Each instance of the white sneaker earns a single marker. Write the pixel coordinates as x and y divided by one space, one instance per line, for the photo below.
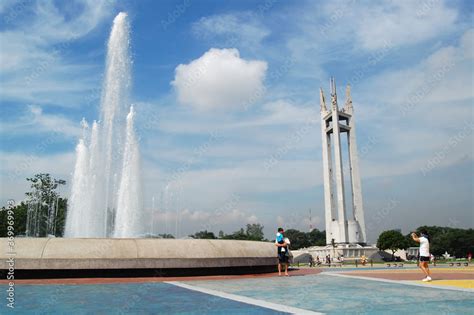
427 279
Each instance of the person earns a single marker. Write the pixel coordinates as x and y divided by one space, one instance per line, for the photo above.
424 241
469 257
363 260
318 262
282 251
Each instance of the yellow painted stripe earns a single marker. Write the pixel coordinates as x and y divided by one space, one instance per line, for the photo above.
466 284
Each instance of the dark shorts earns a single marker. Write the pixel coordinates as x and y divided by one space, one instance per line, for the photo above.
424 258
282 258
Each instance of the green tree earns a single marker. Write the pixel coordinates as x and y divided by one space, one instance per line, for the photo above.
301 239
457 242
237 235
203 235
19 219
165 235
297 238
255 232
44 187
44 194
392 240
410 241
317 237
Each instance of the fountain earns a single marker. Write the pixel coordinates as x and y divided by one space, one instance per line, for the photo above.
106 185
130 219
106 223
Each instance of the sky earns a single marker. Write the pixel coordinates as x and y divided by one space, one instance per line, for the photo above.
227 102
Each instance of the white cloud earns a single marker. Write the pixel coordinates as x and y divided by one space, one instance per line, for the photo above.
220 79
443 76
35 121
233 29
398 22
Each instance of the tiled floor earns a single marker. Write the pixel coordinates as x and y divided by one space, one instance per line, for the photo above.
128 298
332 291
337 295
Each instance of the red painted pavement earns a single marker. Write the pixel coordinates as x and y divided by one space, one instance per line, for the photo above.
295 272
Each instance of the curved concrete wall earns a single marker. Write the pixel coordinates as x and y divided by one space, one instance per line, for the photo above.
107 253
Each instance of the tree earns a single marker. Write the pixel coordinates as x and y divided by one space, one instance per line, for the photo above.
297 238
203 235
317 237
301 239
44 198
457 242
392 240
237 235
50 208
165 235
19 215
255 232
44 187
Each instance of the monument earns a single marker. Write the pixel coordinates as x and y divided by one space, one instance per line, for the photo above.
345 234
334 124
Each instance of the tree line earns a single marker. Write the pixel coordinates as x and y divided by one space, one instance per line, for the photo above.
254 232
456 241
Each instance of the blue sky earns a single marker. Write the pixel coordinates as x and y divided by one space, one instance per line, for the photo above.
239 142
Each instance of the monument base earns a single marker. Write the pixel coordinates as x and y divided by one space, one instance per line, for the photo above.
102 257
349 251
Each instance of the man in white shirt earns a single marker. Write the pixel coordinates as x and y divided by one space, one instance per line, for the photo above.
424 252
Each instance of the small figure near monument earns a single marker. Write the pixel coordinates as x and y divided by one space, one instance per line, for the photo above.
282 251
423 239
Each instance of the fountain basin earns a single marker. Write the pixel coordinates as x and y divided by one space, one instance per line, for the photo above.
179 257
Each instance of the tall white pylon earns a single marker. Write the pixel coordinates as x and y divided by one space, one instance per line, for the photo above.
334 122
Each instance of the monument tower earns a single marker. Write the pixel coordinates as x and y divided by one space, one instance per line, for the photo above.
340 229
